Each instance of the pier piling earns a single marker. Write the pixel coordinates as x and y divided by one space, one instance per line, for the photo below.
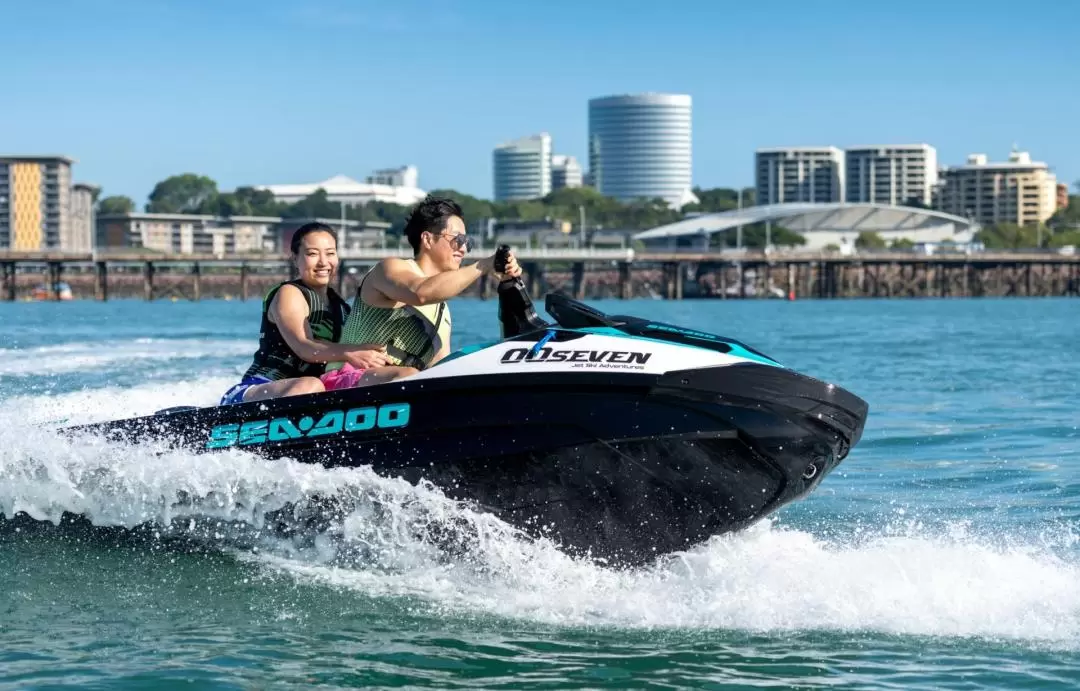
101 281
148 280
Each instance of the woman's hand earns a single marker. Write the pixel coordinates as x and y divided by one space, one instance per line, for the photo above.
367 356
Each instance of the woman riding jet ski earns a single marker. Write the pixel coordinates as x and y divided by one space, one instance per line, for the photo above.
301 322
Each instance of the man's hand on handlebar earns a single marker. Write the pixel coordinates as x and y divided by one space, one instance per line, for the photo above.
511 269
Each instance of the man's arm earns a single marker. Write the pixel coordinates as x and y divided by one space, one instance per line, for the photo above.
396 280
289 311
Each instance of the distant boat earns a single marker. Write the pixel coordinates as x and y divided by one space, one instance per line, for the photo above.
62 292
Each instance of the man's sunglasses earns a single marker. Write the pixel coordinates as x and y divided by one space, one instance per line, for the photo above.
459 241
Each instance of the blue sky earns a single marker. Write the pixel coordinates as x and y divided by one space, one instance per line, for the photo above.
261 92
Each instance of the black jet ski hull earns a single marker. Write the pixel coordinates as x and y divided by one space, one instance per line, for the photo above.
622 467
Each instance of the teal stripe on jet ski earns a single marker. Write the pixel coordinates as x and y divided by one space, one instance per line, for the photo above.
467 350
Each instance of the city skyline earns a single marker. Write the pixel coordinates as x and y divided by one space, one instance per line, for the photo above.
217 90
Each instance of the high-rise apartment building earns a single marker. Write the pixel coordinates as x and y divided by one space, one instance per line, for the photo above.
892 174
82 228
35 202
522 168
799 174
1019 190
640 147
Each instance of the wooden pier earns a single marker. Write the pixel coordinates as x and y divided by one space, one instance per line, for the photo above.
582 273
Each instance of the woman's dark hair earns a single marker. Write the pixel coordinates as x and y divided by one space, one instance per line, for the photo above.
307 229
430 215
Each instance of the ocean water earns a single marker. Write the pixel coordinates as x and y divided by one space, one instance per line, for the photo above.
942 554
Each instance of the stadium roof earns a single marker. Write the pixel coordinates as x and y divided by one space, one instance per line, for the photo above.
807 217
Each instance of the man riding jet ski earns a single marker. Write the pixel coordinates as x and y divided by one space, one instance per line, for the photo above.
616 437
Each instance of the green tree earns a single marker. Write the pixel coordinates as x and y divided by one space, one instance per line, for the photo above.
568 203
1011 236
902 244
869 240
754 237
1068 237
524 210
720 199
116 204
257 202
473 208
1068 217
182 194
226 205
394 214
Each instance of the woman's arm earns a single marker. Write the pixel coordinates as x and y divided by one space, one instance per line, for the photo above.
289 311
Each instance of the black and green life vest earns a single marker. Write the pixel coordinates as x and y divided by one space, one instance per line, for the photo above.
275 359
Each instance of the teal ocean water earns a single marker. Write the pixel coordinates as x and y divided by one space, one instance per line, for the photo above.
942 554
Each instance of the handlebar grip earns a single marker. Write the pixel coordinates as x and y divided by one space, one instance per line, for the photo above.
502 256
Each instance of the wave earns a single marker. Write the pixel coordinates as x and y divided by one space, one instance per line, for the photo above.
78 357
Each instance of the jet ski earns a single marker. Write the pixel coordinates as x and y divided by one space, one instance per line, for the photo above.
621 439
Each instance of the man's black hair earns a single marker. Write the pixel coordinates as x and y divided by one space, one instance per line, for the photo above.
430 215
308 228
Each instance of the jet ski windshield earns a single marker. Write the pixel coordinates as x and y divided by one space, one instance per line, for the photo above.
571 314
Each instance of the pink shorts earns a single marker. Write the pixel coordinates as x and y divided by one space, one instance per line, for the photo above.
344 378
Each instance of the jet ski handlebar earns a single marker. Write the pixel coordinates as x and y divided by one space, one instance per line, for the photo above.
502 257
516 312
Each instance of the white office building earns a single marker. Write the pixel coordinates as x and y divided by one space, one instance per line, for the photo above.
893 174
799 174
81 230
522 168
404 176
640 147
565 172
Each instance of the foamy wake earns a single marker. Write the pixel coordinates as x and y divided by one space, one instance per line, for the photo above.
98 405
388 538
82 356
767 579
